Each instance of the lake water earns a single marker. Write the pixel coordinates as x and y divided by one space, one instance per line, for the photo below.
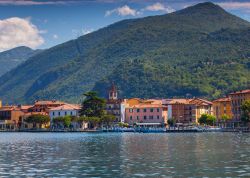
124 155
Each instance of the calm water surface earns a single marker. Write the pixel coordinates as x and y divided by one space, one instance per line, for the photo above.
124 155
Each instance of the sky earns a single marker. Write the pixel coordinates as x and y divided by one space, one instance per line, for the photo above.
41 24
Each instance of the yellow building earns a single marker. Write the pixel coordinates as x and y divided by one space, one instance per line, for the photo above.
222 106
0 103
237 99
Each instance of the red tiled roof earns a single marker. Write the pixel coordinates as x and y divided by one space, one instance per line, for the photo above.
222 100
49 102
240 92
66 107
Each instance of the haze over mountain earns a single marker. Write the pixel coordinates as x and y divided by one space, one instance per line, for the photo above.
199 51
12 58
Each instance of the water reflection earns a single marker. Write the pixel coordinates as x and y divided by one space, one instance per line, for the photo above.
124 155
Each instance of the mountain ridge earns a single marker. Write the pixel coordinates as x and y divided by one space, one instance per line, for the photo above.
177 43
11 58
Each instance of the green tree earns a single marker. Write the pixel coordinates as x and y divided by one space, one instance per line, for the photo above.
107 119
65 121
203 119
93 106
92 121
171 121
211 119
38 119
225 118
207 119
245 108
123 124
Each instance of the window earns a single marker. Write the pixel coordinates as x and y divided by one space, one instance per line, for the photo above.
130 110
65 113
137 117
158 109
151 117
151 110
145 117
158 117
131 117
71 113
59 113
138 110
53 113
144 110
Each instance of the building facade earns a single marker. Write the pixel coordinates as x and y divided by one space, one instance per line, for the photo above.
222 107
145 113
237 99
64 110
187 111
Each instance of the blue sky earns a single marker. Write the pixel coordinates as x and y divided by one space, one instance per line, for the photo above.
42 24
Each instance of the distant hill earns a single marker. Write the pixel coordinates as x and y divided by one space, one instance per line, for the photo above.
199 51
12 58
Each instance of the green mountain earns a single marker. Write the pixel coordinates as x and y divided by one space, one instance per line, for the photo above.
199 51
12 58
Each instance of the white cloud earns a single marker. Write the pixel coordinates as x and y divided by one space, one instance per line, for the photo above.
122 11
235 5
159 7
16 31
55 36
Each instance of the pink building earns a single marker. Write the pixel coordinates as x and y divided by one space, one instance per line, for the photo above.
147 112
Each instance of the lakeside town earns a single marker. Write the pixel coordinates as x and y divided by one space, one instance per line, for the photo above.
116 114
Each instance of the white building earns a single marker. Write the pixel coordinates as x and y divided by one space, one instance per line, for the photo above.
64 110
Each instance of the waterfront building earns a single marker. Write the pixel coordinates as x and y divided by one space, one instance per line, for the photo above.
64 110
187 111
114 105
222 107
237 99
44 106
0 103
10 117
145 113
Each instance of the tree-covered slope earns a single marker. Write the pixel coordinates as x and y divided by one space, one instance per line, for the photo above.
199 51
12 58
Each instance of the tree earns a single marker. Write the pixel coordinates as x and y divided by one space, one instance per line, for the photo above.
225 118
211 119
207 119
245 107
171 121
92 121
93 106
65 121
38 119
107 119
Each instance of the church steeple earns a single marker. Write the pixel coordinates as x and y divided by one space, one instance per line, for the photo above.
113 94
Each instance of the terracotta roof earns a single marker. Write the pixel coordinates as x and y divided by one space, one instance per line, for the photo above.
66 107
240 92
177 101
49 102
9 108
199 101
222 100
24 107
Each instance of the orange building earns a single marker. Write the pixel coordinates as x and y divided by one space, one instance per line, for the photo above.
187 110
10 116
222 106
237 99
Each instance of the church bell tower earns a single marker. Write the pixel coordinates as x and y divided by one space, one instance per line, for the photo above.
113 92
